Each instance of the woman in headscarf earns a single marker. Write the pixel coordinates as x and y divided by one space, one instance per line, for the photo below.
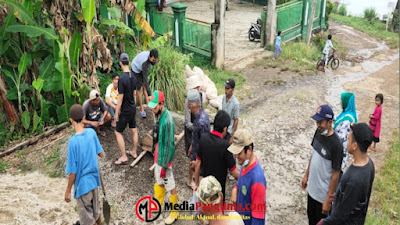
343 122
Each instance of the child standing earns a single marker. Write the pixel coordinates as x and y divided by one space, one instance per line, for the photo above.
278 46
327 48
82 169
375 120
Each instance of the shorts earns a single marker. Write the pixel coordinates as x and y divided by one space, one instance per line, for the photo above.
89 207
124 119
192 156
168 181
94 128
376 139
111 111
140 79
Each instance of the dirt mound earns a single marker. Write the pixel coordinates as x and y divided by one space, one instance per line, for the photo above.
34 199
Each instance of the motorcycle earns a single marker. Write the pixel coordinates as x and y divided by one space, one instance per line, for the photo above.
255 30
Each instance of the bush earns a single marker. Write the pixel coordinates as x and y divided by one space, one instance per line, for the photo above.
335 8
370 14
3 166
168 76
343 10
329 9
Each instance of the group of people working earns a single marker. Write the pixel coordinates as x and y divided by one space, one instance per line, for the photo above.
214 153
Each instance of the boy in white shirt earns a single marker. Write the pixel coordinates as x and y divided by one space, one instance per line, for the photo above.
112 97
327 48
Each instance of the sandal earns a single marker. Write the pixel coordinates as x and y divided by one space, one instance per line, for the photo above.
119 162
102 133
143 114
130 153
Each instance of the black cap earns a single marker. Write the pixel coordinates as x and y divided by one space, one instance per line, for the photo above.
230 83
363 135
124 57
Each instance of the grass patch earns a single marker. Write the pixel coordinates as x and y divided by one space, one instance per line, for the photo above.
3 166
374 28
218 76
385 192
297 57
53 165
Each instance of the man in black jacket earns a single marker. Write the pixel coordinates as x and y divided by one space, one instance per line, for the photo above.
352 197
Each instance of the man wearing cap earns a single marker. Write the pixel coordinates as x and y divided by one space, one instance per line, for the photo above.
200 125
213 155
352 197
164 151
193 82
82 169
324 168
230 104
210 193
249 190
140 66
95 112
125 112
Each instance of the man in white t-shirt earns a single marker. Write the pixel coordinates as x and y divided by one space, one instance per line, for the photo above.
112 97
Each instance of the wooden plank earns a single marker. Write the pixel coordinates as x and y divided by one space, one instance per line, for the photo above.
35 139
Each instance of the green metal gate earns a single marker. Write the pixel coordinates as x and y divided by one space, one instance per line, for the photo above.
163 22
292 18
197 37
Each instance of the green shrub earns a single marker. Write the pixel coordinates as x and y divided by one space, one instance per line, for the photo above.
329 9
334 8
343 10
300 51
319 41
370 14
3 166
168 76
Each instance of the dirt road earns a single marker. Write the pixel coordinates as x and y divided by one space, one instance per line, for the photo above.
237 24
276 106
279 115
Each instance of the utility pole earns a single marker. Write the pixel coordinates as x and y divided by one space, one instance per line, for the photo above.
270 28
218 34
310 21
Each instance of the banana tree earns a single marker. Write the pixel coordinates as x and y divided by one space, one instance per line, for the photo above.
20 87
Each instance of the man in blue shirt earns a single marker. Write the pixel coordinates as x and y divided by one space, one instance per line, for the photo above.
200 125
249 191
82 168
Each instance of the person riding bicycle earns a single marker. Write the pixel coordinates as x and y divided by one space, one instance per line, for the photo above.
327 48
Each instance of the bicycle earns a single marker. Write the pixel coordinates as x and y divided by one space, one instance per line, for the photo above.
332 59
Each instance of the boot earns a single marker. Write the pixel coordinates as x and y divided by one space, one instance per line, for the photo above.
159 194
174 214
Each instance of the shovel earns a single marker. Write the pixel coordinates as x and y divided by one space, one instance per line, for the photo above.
106 206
